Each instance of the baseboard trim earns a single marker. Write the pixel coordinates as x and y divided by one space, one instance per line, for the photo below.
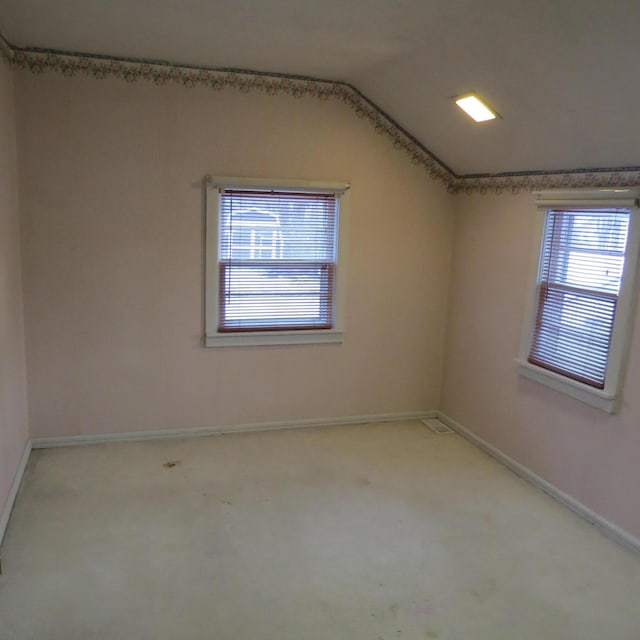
13 492
199 432
619 535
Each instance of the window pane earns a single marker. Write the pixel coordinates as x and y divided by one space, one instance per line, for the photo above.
275 226
573 333
276 296
277 253
585 249
582 260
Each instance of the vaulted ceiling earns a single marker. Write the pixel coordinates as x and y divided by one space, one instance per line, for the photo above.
561 73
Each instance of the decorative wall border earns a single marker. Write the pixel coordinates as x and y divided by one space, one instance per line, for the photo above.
163 73
536 181
159 73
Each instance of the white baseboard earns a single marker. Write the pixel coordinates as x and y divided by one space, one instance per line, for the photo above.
13 492
609 529
198 432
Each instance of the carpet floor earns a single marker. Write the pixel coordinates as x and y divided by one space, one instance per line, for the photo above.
375 532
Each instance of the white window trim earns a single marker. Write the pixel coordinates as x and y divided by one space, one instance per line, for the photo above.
213 338
608 398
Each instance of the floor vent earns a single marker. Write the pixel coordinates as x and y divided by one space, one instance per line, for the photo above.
437 426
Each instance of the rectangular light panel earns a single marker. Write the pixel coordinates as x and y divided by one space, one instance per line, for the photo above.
475 108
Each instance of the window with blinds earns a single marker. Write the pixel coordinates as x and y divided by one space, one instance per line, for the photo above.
579 278
275 261
277 255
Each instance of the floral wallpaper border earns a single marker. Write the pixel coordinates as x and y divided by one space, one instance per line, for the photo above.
160 73
70 64
537 181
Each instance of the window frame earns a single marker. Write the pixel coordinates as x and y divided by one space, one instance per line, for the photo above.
608 398
215 338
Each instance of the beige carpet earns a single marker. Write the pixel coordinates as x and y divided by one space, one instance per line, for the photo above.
374 532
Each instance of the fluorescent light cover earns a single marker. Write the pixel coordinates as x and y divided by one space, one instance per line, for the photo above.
475 108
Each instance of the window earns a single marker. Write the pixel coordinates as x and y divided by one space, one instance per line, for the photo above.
580 318
275 262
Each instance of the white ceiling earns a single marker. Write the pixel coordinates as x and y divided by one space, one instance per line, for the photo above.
562 73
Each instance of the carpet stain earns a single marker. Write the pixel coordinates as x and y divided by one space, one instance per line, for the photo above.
169 464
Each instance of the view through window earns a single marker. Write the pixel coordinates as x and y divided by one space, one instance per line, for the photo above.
581 266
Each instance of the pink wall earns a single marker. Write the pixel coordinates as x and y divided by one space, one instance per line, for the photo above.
589 454
112 236
13 392
112 207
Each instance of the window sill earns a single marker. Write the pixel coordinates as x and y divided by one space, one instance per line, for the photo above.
266 338
594 397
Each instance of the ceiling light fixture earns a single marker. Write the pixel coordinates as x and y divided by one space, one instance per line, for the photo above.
475 108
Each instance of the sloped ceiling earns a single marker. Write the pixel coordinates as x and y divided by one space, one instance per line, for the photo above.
562 73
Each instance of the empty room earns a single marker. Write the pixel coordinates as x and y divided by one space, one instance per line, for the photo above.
319 320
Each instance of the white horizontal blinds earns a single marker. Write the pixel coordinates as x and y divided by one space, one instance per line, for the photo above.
277 258
581 265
